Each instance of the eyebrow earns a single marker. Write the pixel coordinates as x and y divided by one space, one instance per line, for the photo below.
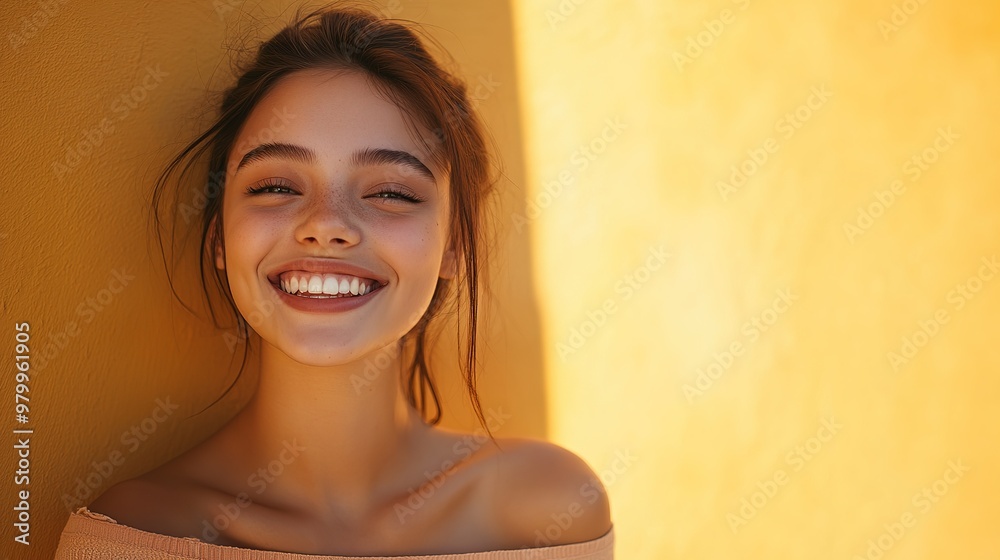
385 156
367 156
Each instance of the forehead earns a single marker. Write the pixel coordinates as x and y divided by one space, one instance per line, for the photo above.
335 113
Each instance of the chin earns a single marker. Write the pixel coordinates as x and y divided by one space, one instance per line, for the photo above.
321 353
324 357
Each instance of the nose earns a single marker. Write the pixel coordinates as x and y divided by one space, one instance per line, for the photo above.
328 224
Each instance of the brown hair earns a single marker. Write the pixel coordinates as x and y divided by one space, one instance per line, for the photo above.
396 61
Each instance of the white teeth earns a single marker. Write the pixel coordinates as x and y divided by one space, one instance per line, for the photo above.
329 284
315 285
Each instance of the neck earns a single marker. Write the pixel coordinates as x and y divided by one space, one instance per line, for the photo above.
339 431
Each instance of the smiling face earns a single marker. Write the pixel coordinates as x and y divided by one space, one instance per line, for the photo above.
340 203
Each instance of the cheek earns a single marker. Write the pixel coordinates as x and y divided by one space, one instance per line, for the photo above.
247 242
418 248
251 228
247 239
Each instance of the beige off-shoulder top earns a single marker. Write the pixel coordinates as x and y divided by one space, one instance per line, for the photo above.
92 536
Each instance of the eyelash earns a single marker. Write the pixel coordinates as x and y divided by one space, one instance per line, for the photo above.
264 186
396 192
399 194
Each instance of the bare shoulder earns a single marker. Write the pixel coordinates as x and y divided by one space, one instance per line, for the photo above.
547 495
179 498
175 498
149 503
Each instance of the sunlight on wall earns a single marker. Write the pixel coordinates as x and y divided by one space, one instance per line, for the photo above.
765 240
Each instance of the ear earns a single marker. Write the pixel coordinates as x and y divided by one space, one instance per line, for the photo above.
449 262
220 250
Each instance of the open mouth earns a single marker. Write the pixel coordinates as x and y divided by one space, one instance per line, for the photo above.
325 286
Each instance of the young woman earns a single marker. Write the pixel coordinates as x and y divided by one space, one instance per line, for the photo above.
350 172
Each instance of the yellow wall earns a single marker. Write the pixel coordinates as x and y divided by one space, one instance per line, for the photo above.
623 271
872 436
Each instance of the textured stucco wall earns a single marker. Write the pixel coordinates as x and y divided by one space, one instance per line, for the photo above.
700 87
97 96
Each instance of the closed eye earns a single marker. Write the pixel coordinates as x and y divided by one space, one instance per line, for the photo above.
269 187
393 192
